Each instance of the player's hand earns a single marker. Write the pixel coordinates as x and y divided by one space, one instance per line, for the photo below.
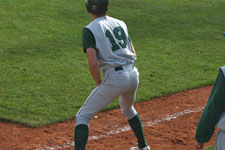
199 146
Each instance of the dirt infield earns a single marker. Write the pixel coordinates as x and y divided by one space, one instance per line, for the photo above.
169 123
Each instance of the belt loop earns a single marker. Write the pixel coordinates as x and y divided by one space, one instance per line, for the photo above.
118 68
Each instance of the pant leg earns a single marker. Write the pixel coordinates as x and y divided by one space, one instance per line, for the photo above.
126 104
111 87
127 99
220 140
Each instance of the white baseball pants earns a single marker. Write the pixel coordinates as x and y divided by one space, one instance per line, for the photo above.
122 83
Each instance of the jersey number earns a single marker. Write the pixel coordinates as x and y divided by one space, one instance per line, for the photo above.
120 36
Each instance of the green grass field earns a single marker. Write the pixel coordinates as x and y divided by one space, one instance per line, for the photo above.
44 76
210 148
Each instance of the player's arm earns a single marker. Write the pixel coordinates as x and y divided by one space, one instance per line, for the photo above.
211 114
131 45
93 65
90 48
132 48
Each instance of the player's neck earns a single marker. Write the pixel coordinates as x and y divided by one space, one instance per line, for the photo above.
93 16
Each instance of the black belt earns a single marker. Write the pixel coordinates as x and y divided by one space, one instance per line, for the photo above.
118 68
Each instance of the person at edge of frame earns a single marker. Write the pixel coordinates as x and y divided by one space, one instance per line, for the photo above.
213 116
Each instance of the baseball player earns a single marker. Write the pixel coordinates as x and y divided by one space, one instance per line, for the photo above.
213 115
108 46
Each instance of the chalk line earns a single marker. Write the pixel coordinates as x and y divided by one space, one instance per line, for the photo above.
123 129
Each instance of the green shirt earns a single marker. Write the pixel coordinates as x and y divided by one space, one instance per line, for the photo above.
88 39
211 115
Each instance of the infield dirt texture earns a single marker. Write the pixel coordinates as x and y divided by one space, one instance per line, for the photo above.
169 124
